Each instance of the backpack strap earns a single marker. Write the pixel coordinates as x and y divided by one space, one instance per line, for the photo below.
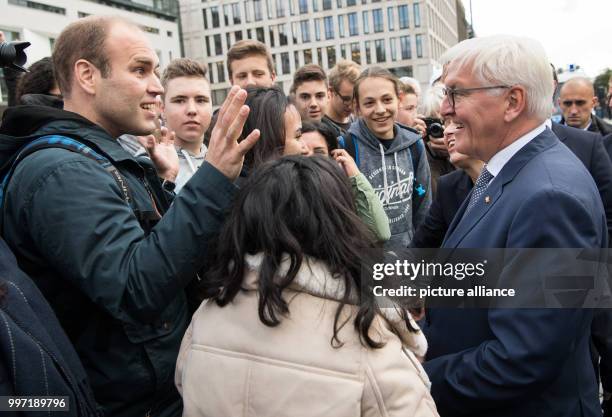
416 153
64 142
350 145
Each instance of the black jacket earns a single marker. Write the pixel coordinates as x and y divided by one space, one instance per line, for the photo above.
37 359
599 126
607 142
452 190
117 290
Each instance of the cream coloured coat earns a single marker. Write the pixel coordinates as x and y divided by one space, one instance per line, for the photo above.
232 365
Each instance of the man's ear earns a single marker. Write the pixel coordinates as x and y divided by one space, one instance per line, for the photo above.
273 76
86 76
516 103
595 101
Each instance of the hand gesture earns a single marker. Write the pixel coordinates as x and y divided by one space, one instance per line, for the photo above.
161 150
224 151
346 162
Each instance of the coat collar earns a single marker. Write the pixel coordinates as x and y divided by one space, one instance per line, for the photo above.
461 226
314 278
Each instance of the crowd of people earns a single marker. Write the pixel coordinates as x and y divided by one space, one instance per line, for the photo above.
165 259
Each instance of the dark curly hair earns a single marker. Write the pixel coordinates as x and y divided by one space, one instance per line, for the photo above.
293 207
40 79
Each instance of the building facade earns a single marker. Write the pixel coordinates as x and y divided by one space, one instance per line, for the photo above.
405 36
41 21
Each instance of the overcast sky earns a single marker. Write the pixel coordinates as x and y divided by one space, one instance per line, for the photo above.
572 31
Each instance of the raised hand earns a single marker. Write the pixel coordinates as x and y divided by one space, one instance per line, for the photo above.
224 151
347 163
161 150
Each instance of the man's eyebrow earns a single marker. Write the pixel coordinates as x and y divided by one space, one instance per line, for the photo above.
178 96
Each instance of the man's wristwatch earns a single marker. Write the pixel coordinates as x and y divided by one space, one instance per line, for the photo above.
168 186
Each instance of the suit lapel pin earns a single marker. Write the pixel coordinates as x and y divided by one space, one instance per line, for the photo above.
487 200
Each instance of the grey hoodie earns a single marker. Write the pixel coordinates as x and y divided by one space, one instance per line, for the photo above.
403 188
188 165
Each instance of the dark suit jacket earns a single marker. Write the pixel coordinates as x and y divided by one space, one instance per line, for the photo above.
521 362
589 148
607 141
599 126
452 190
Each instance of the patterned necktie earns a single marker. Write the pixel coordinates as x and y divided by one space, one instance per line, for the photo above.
479 188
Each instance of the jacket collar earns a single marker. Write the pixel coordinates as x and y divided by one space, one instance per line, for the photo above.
461 226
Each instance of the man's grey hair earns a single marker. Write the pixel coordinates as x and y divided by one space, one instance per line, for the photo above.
431 102
508 60
414 83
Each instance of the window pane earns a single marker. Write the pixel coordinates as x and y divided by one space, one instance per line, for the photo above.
303 6
391 18
353 25
356 53
307 56
271 33
296 59
295 32
402 12
247 11
220 72
378 20
331 56
366 22
236 13
393 48
207 42
282 34
405 46
214 12
270 9
315 5
218 47
205 16
285 65
317 25
226 12
210 72
320 56
343 51
380 50
259 32
351 2
419 45
417 15
238 35
368 47
304 24
257 9
341 25
329 27
327 4
280 8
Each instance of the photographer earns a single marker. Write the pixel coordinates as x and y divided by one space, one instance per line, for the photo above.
11 77
437 153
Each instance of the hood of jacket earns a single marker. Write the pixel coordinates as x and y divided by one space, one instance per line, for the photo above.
399 175
314 278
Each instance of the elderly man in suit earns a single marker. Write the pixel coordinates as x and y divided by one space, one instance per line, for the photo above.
532 193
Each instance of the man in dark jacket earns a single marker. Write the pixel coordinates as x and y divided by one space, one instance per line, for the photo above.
577 100
92 238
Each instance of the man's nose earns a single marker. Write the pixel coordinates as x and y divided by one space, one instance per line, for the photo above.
445 107
191 107
251 81
313 102
155 87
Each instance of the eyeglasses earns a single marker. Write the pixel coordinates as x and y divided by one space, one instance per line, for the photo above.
452 93
345 99
570 103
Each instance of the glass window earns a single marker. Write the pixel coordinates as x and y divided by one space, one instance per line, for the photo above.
236 13
317 26
329 27
331 56
391 18
296 59
259 33
353 25
280 8
285 64
220 72
207 42
228 41
210 72
343 51
381 56
366 22
247 11
257 9
303 6
368 47
327 4
339 4
205 16
218 46
271 33
419 45
214 12
270 9
295 32
249 34
307 56
417 15
378 20
226 16
351 2
282 34
341 25
238 35
218 96
405 47
304 25
315 5
320 56
402 12
356 53
393 48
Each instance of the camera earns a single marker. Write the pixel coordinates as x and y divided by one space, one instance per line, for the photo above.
435 127
12 55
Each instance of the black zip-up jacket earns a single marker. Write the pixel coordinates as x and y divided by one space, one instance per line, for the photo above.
118 291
